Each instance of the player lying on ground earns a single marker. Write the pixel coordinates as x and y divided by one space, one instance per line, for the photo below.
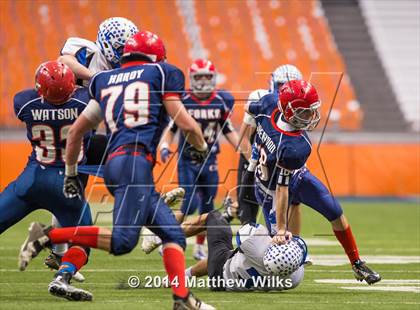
85 58
249 207
48 112
147 90
211 108
255 260
278 172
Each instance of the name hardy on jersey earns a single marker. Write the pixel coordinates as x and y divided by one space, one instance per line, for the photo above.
54 114
125 77
265 138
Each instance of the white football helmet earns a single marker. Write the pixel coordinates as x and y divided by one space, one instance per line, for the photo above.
284 74
112 35
282 260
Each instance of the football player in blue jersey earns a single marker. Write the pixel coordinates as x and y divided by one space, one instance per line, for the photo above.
48 112
85 58
211 108
282 147
282 74
134 101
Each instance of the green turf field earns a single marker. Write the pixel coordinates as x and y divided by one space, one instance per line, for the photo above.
386 232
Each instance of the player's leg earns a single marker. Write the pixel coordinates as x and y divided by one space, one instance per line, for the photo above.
314 194
12 207
187 177
208 182
219 239
163 223
248 208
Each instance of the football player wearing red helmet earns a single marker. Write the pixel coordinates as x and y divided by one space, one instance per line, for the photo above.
211 108
48 112
147 92
278 164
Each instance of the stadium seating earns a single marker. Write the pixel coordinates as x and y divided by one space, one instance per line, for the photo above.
396 33
297 33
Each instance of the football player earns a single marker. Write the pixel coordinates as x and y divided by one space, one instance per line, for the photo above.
211 108
86 58
134 102
255 259
249 206
281 177
48 111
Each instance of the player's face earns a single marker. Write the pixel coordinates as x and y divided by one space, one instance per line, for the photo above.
203 85
306 119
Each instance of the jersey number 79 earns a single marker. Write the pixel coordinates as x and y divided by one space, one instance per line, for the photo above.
135 104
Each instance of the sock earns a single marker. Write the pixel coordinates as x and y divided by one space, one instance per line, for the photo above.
200 239
82 235
188 272
174 262
346 238
74 259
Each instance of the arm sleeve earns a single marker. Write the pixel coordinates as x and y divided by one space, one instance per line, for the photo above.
93 112
174 82
288 159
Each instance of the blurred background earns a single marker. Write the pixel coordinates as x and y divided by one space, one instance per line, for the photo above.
363 57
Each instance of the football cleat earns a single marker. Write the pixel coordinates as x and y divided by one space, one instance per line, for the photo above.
60 287
190 303
174 196
363 272
199 252
53 262
36 241
150 243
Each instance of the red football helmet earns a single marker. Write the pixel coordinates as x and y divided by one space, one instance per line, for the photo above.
147 44
55 81
203 75
299 103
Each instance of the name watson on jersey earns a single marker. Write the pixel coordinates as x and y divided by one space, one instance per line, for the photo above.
54 114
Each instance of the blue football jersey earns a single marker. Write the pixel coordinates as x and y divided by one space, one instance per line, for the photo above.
131 104
211 114
47 124
281 150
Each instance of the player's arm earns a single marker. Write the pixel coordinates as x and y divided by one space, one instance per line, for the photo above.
245 133
80 71
88 120
185 122
282 200
167 138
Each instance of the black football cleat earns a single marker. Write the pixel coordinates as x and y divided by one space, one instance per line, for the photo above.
190 303
53 262
36 241
60 287
363 272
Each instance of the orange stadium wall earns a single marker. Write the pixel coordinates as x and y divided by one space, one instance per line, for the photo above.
351 169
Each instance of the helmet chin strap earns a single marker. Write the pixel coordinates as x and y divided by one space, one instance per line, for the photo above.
203 95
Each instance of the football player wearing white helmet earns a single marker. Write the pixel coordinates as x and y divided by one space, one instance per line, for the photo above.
249 207
257 263
86 58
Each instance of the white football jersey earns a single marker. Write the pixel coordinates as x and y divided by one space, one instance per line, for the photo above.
253 241
255 96
87 54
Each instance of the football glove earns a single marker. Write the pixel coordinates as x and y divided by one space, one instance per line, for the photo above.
72 187
247 189
164 154
196 155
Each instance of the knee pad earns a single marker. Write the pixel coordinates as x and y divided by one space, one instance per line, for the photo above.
124 240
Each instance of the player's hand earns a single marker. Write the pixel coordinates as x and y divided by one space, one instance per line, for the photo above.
164 154
72 187
282 237
197 155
